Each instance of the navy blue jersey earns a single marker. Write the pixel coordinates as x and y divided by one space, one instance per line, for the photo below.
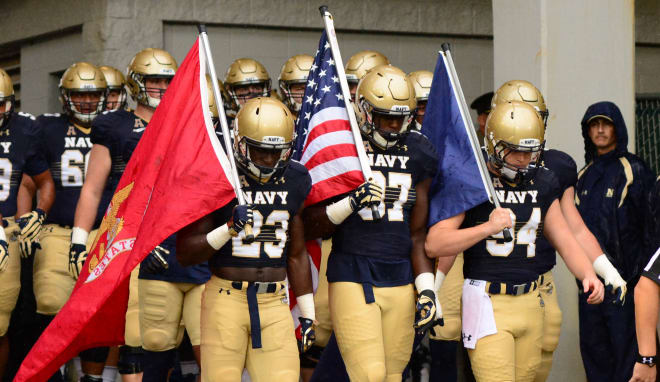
19 153
66 148
111 129
274 205
176 273
494 260
565 170
378 252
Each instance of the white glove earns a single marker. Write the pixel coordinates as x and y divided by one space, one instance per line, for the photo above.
611 276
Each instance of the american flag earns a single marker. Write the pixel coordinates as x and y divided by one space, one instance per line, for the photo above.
325 145
324 141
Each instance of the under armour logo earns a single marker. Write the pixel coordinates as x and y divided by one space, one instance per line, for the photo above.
466 337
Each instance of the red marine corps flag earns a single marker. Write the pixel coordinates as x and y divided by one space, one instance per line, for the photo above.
177 174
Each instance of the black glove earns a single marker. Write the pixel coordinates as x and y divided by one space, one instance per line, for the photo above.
366 195
240 217
425 311
307 334
30 225
77 257
4 255
156 261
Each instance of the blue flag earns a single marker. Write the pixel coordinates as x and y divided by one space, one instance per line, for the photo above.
457 186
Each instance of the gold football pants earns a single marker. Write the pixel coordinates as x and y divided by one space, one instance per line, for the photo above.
162 307
514 352
52 282
449 297
551 326
226 337
375 340
10 278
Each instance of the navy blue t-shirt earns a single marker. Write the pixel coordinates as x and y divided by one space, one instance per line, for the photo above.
19 153
66 148
494 260
378 252
176 273
274 205
565 170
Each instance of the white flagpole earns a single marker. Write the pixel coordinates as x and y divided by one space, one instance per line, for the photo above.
249 237
339 64
469 129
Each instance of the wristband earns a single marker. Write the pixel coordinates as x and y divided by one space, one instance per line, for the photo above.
604 268
79 236
439 278
3 235
306 306
218 237
646 360
424 281
339 211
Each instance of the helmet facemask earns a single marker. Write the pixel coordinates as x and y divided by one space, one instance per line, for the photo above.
120 103
290 97
9 107
511 172
239 100
83 112
144 94
377 135
246 152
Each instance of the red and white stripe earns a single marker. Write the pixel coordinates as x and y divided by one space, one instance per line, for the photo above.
330 156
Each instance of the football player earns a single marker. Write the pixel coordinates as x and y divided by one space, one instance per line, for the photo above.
373 263
18 237
64 141
360 64
168 294
292 81
502 309
149 74
421 81
246 320
116 97
246 79
564 168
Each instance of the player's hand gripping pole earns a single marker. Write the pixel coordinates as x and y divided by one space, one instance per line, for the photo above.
339 64
471 133
249 237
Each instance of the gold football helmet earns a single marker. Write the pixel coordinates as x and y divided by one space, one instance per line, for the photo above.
362 62
295 71
263 138
116 82
524 91
421 81
514 127
384 93
82 92
6 96
246 78
213 106
149 63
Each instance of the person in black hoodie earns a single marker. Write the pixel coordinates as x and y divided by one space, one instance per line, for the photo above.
611 195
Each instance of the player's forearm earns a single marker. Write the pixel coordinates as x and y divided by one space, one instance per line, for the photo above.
420 262
442 242
193 249
317 223
589 243
446 263
87 208
46 194
26 193
647 296
575 259
299 274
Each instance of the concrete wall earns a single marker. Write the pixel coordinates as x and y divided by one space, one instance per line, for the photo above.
272 48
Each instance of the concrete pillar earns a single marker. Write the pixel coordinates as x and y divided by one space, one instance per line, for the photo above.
576 53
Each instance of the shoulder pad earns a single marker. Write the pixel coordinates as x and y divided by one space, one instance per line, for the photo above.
51 115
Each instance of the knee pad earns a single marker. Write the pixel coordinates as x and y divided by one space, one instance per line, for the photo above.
95 354
376 372
130 360
50 302
156 339
311 357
